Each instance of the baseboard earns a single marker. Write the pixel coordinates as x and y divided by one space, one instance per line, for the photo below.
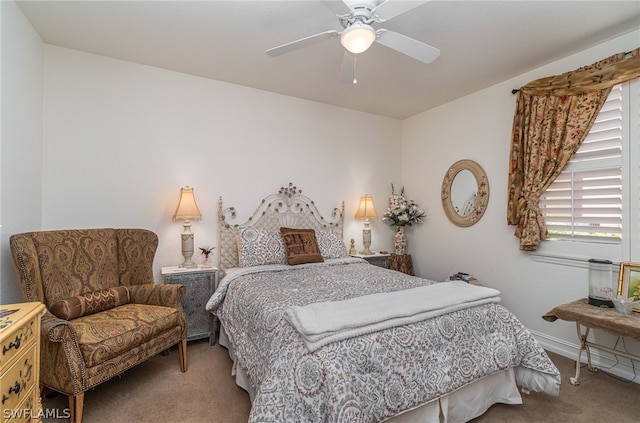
623 368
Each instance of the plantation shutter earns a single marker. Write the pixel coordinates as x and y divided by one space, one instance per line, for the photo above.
585 202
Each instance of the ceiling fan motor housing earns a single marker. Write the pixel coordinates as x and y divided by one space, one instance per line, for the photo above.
359 12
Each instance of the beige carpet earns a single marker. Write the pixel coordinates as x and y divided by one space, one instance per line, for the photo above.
156 391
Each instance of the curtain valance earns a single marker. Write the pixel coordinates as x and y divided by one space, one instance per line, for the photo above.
598 76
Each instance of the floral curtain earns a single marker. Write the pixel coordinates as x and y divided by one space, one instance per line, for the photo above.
553 116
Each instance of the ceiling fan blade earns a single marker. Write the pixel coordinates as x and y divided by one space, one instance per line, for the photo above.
339 7
348 69
406 45
303 42
390 9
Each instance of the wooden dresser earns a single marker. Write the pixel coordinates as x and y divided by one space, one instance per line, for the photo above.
20 361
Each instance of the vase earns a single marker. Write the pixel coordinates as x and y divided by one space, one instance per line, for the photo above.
207 262
400 241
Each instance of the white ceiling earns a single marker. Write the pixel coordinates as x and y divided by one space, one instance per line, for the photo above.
481 43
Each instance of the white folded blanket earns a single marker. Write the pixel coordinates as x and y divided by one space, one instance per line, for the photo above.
326 322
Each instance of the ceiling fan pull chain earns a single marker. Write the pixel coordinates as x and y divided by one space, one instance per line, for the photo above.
355 68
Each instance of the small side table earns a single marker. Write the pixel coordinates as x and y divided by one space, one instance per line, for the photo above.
377 259
401 263
200 284
592 317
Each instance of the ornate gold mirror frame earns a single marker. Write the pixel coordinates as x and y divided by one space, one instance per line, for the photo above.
478 200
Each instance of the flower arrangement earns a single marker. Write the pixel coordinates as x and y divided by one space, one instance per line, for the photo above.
402 212
206 251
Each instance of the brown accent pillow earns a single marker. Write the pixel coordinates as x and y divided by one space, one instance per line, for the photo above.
90 303
301 246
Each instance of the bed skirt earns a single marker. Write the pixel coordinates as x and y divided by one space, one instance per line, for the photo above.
459 406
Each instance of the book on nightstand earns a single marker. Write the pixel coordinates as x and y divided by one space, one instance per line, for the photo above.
462 276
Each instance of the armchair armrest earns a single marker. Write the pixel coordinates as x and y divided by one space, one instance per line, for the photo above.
61 352
157 294
55 329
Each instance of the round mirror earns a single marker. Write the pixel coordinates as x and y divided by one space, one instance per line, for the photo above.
465 193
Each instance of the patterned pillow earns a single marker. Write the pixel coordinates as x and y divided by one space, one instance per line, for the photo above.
301 245
90 303
257 247
331 245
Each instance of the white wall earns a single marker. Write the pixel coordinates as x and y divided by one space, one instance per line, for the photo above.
120 139
478 127
21 139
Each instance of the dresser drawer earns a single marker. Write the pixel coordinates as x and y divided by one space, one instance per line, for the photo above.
20 340
28 411
19 381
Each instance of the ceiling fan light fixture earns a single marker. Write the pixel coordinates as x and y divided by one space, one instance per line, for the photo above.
358 37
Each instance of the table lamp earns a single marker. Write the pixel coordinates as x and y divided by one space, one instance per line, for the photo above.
365 212
187 210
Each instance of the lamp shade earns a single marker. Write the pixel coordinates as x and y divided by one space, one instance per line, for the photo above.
366 209
187 207
358 37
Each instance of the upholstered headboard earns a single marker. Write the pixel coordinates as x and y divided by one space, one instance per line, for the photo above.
287 208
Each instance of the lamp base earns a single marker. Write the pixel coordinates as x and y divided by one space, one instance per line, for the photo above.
366 240
187 248
188 264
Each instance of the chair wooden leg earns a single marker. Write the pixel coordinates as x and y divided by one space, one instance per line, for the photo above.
76 404
182 352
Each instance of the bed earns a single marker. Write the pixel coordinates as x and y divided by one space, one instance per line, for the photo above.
337 339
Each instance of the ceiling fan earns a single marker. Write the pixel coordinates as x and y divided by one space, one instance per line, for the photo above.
357 18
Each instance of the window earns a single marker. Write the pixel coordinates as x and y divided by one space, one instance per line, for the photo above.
593 199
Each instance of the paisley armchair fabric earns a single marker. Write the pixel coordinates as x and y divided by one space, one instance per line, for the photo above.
81 353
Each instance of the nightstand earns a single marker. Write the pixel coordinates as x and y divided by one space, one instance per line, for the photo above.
377 259
401 263
200 284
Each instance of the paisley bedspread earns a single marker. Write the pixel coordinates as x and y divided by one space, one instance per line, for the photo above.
374 376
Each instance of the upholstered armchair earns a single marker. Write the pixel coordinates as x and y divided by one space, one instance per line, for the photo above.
104 312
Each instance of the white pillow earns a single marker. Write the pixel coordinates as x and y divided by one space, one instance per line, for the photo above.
259 247
331 245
